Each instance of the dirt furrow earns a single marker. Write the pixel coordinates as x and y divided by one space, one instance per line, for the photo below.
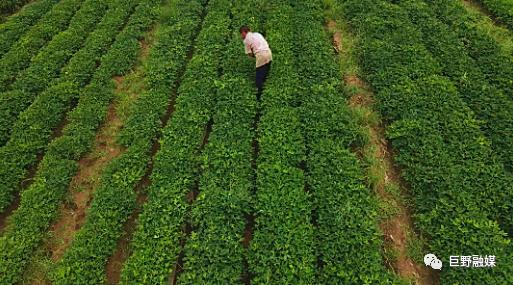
480 8
383 176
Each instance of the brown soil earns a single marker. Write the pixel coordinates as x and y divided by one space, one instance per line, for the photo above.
397 227
248 231
193 194
475 5
146 43
337 36
84 183
122 253
115 263
361 98
178 268
145 48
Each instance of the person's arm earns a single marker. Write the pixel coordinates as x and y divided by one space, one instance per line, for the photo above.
249 51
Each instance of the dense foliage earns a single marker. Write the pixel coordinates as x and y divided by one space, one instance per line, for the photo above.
215 254
35 126
281 251
9 6
482 47
227 189
502 10
348 244
17 25
47 64
461 193
20 54
489 100
40 202
156 243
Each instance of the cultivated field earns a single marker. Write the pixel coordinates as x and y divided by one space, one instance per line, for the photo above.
133 149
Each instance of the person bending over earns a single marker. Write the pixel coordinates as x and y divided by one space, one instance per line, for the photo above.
256 46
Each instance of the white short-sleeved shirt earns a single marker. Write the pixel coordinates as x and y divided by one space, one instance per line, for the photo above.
257 45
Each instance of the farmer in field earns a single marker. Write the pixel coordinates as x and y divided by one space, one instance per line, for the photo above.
256 46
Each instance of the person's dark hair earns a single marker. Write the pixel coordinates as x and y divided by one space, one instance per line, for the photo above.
244 29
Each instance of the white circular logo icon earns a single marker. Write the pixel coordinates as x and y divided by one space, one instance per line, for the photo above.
432 261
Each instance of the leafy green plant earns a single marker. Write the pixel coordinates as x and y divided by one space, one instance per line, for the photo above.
17 25
459 189
46 66
348 241
502 9
482 47
282 248
9 6
156 243
40 202
487 101
47 110
52 23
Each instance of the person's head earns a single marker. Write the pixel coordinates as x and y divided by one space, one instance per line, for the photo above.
244 30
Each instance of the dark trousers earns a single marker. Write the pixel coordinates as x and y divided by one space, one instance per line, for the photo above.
261 76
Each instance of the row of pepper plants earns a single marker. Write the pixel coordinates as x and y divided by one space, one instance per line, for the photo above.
10 6
46 66
20 54
17 25
459 197
502 10
489 103
348 241
495 64
282 248
115 199
215 253
39 204
161 227
35 126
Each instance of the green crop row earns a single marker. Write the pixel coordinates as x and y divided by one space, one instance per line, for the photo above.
115 198
40 202
78 70
282 248
496 66
502 10
487 102
348 241
46 66
215 253
460 195
20 54
35 126
98 235
17 25
9 6
161 225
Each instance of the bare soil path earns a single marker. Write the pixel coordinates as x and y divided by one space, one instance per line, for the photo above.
383 176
